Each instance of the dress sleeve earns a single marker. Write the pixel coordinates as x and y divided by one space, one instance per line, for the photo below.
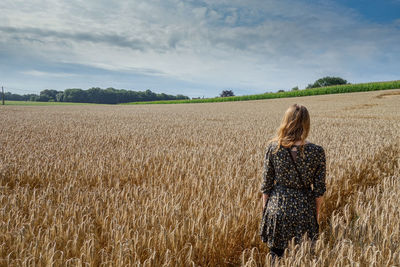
319 177
268 172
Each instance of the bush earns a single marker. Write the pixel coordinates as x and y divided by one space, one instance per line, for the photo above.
226 93
327 81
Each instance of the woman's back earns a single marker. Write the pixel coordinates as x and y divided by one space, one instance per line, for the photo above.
291 208
311 166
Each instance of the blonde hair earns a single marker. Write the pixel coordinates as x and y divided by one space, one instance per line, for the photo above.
295 126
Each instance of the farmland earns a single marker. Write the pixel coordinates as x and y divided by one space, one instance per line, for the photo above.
180 184
334 89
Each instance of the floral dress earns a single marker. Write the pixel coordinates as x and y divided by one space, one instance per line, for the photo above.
291 208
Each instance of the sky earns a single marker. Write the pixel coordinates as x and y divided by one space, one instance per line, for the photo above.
196 47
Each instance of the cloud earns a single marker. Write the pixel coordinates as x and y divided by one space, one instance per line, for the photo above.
254 45
48 74
110 39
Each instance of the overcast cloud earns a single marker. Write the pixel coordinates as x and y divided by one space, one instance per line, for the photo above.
196 48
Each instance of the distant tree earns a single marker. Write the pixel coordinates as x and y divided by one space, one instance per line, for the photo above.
75 95
60 97
296 88
48 95
12 96
43 98
96 95
111 95
281 91
226 93
34 98
179 96
327 81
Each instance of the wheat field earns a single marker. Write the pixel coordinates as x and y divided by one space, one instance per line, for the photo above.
179 185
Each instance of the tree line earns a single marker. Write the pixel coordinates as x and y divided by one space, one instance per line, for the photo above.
93 95
115 96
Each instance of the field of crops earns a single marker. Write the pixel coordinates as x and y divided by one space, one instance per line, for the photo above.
179 185
335 89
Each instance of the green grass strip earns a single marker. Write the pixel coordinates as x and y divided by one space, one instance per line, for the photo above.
336 89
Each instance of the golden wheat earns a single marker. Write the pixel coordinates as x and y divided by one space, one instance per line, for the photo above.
178 185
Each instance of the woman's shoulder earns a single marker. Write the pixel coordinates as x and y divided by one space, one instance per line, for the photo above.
314 147
272 145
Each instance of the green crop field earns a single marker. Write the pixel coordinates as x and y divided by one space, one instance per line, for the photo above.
337 89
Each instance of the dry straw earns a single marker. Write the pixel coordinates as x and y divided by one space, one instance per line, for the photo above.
178 185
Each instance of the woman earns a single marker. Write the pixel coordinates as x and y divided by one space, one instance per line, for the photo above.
293 183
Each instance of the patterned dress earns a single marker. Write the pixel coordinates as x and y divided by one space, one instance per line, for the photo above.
291 208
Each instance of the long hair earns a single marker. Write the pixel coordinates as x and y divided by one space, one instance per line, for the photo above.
295 126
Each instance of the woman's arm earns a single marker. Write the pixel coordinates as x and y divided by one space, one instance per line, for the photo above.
267 176
319 181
